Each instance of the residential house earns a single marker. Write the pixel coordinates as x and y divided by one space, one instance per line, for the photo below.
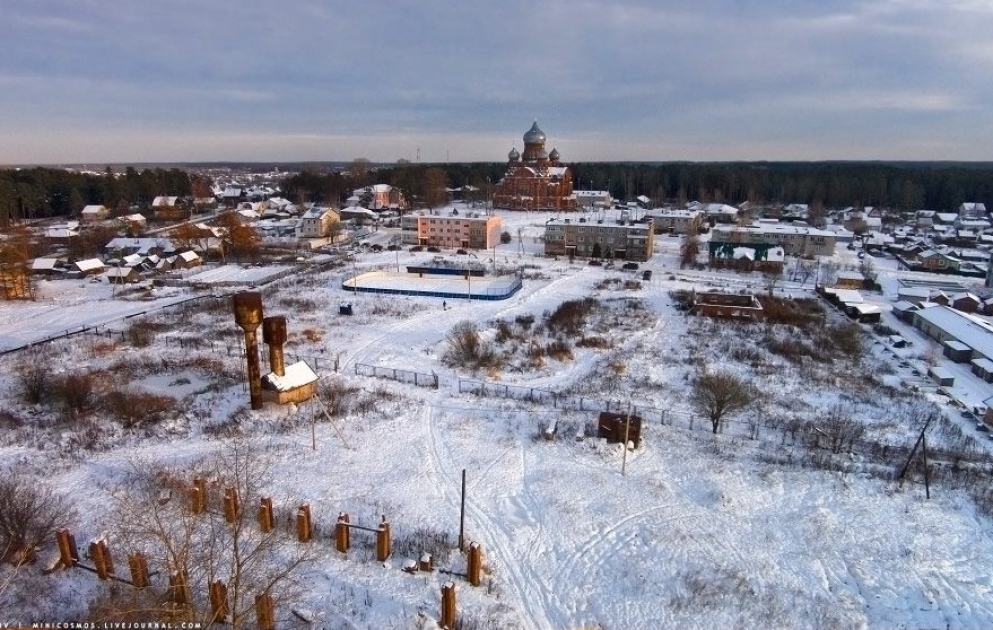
378 197
317 223
134 223
123 275
674 221
46 266
592 199
933 260
187 260
966 302
972 210
88 267
94 214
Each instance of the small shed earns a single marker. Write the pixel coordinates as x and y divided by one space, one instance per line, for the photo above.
613 426
863 313
942 376
297 384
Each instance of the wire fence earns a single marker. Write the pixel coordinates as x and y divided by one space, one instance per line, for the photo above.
404 376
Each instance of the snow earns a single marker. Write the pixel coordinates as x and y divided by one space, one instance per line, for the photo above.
701 531
294 375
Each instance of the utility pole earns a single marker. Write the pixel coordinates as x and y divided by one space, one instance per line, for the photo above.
627 428
462 516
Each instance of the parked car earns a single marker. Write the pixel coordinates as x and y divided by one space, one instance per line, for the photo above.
596 263
646 274
434 249
461 252
630 266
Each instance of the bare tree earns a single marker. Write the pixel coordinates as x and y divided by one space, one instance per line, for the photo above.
690 248
30 512
153 516
464 344
771 277
720 394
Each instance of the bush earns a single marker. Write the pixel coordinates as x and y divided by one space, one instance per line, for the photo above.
570 317
77 393
559 350
34 380
847 338
142 334
505 237
133 407
31 513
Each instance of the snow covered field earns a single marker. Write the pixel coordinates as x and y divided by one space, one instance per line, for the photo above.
701 530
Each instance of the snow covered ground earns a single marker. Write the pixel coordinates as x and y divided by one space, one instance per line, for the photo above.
700 531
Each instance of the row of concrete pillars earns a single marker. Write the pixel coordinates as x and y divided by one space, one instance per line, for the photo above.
179 589
304 522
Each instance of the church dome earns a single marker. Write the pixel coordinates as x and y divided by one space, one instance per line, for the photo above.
513 156
554 155
534 135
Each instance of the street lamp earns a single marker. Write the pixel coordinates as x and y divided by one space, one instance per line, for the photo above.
468 271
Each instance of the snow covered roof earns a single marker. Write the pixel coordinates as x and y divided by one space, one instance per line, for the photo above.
161 201
43 264
119 272
61 232
294 375
863 308
95 209
189 256
969 329
90 264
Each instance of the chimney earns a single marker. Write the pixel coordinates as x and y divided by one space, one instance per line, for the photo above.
274 334
248 317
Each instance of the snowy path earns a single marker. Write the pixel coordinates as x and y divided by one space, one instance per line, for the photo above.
502 535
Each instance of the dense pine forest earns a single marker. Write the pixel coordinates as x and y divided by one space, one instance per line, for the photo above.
39 192
903 186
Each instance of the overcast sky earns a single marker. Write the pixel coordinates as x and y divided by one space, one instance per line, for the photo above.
181 80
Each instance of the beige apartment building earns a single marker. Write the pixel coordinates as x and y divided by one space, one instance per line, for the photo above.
619 239
466 231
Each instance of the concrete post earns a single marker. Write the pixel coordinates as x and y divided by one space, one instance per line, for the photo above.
341 533
266 521
448 617
383 541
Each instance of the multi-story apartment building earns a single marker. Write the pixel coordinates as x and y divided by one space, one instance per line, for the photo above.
620 239
795 240
466 231
675 221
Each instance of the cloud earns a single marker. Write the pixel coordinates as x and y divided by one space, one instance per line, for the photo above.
710 77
